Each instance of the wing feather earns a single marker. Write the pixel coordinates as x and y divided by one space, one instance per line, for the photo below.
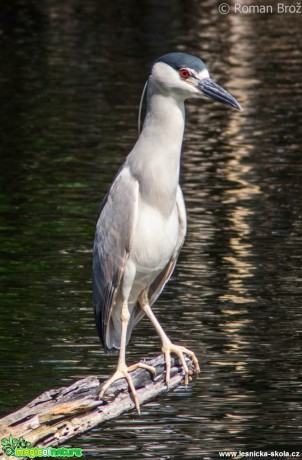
111 247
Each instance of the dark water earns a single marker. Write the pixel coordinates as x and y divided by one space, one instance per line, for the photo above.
71 74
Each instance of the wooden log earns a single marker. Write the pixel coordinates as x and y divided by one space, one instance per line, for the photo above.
60 414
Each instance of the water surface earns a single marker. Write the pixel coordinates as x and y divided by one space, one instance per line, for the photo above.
70 82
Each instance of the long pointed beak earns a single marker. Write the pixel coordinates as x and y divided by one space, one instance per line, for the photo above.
214 91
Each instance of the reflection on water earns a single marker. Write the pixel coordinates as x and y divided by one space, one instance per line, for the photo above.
70 81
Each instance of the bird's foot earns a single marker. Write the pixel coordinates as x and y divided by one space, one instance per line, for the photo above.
123 371
168 348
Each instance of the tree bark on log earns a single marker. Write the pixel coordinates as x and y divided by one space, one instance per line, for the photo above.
58 415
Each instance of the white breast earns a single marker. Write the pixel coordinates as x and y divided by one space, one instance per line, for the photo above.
154 238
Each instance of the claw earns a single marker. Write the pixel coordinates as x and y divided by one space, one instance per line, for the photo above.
168 348
123 371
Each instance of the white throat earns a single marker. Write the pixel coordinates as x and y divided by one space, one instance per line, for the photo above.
155 158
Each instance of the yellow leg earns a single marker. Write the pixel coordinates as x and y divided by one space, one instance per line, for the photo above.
168 347
123 370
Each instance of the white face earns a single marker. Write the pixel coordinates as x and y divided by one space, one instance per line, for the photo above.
182 83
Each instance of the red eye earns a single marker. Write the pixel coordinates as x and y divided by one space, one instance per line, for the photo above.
184 73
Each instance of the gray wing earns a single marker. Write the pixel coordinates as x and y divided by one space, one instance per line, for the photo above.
160 281
111 246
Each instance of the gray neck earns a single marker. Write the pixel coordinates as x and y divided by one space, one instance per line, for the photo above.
155 158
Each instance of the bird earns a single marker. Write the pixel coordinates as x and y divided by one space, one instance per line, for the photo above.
141 225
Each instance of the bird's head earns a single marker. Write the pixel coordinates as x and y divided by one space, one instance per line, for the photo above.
185 76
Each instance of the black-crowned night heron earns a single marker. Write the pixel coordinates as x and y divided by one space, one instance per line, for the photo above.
142 221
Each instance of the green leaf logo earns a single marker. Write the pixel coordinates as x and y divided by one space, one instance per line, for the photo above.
9 445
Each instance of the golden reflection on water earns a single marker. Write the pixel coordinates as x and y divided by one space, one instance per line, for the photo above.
238 199
237 173
239 215
239 260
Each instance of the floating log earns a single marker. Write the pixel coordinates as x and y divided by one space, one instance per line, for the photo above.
60 414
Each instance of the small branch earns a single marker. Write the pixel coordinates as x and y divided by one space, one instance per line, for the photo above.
59 415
